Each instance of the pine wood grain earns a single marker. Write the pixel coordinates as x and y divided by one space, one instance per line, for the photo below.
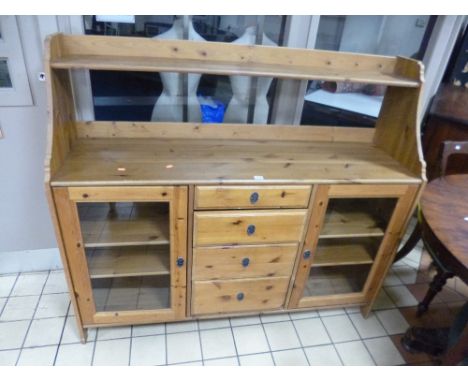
104 161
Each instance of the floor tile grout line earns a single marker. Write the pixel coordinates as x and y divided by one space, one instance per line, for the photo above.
361 339
9 294
268 342
200 343
61 334
332 342
130 349
234 340
31 320
300 342
165 343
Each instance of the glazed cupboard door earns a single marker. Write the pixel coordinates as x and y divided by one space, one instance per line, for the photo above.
126 251
350 243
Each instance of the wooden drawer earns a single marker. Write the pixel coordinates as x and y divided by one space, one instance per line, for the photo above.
226 197
210 297
248 227
214 263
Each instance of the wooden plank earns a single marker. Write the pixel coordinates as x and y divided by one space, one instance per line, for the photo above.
398 128
120 194
331 301
178 239
349 252
128 262
233 262
190 208
190 130
127 53
134 225
145 64
319 206
367 191
74 249
351 223
155 162
388 248
223 296
82 333
232 227
209 197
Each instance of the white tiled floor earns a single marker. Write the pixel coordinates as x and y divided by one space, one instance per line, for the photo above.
37 327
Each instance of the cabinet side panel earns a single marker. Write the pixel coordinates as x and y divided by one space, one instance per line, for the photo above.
388 248
179 251
319 207
66 267
75 257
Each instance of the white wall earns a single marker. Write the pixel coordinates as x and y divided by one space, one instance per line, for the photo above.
24 217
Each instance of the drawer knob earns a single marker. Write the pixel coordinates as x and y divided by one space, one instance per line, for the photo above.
254 197
250 229
180 262
240 296
306 254
245 262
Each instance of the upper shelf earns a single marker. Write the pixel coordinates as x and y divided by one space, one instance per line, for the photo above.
149 54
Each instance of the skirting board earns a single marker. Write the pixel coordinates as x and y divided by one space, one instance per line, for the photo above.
30 260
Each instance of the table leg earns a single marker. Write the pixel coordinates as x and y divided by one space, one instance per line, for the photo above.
435 287
410 243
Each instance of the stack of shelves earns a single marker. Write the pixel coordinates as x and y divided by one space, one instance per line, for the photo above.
127 250
348 243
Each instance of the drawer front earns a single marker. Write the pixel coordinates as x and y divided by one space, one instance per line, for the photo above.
212 297
248 227
226 197
214 263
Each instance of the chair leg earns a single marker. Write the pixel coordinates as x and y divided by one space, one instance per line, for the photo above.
435 287
410 243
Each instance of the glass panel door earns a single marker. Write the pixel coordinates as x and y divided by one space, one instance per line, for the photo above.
348 243
127 250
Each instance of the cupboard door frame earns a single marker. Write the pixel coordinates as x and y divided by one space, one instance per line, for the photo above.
66 200
405 195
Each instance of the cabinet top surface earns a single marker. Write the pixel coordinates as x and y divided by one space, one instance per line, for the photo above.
127 161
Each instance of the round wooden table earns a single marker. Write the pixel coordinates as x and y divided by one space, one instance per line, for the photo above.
444 230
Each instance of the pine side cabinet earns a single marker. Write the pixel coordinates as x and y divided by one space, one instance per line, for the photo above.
160 222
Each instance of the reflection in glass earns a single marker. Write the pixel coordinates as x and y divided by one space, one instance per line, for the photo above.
128 254
138 96
340 104
5 79
349 241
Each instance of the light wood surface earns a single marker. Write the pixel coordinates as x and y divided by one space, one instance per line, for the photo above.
353 224
221 296
128 261
345 252
129 53
82 332
213 263
74 251
227 197
157 162
319 203
231 227
389 246
124 224
191 130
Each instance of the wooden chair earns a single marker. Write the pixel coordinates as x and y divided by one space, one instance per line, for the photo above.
448 148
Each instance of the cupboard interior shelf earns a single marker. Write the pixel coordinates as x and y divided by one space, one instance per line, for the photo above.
128 261
127 226
351 251
131 293
152 161
152 64
340 224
